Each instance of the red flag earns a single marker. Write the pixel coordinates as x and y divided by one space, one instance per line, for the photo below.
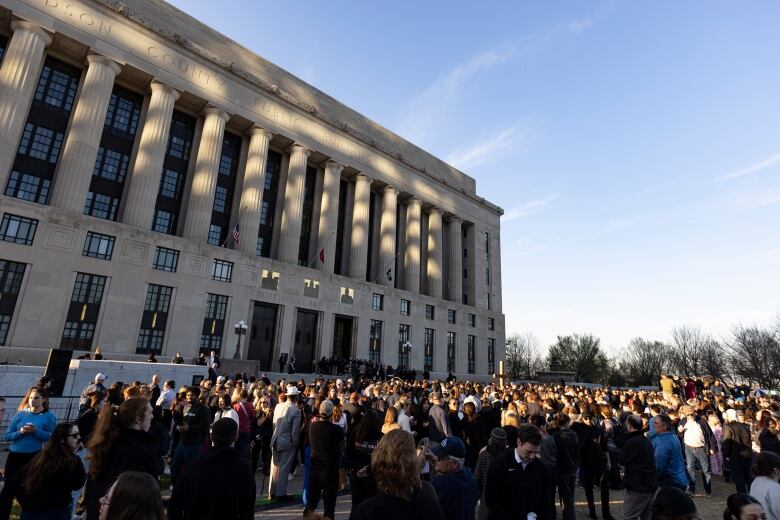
322 255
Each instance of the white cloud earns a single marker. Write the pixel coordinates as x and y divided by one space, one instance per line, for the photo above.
528 208
615 225
494 148
761 165
578 26
750 201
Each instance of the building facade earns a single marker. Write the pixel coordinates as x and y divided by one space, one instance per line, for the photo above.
160 183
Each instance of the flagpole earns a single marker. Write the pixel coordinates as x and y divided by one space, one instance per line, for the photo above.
240 214
386 266
314 258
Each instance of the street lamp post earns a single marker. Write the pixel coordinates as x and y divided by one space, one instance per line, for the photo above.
408 352
240 330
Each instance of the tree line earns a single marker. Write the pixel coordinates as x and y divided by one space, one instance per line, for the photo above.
748 354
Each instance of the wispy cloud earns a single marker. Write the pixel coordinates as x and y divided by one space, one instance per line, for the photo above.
742 202
615 225
494 148
529 208
578 26
761 165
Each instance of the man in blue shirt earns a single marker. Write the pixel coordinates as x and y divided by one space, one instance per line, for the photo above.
454 483
669 466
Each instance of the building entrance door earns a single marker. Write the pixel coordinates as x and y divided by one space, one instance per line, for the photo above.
305 340
342 337
262 333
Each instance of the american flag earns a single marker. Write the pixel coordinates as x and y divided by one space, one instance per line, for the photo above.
236 236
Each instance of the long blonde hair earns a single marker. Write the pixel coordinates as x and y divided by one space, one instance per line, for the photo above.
395 465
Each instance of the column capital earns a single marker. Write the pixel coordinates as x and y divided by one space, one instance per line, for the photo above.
335 165
455 219
214 111
299 148
99 59
24 25
391 190
433 209
256 130
414 201
162 88
363 177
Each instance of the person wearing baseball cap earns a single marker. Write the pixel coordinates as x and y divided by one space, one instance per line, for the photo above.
454 483
325 440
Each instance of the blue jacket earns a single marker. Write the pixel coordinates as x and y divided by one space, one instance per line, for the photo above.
457 494
31 442
669 465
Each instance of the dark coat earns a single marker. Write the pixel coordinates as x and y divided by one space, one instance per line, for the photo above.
220 484
512 492
638 459
567 450
134 450
736 441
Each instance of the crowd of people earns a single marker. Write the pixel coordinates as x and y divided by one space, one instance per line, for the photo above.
401 448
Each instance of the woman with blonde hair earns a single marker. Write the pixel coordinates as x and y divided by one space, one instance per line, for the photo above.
391 420
401 493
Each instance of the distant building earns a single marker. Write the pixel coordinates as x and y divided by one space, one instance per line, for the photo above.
161 183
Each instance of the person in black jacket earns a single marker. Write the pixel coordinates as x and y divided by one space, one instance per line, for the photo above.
638 459
517 482
120 442
223 473
593 462
193 430
567 462
326 441
737 450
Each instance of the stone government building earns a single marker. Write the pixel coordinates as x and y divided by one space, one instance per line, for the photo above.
134 140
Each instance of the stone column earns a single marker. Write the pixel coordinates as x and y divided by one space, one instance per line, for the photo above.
204 179
253 187
456 261
145 180
74 174
293 205
358 256
329 213
434 252
413 236
19 73
387 235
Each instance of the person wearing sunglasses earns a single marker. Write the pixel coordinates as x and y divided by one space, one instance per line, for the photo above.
44 486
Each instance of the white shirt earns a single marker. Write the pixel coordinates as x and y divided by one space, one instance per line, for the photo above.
693 436
767 491
403 420
520 461
166 399
226 413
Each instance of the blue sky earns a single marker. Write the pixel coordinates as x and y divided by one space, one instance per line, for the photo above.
641 141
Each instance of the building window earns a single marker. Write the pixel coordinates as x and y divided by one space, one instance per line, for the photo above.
98 245
306 216
83 312
472 320
221 270
377 302
19 230
487 262
174 173
472 355
259 246
154 319
487 300
11 276
465 274
213 323
375 342
450 316
44 132
311 288
404 344
491 345
223 192
3 45
347 295
113 157
491 324
450 352
465 299
430 312
273 165
428 349
404 307
270 280
166 259
215 235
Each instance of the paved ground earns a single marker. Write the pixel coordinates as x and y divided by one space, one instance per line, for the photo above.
709 508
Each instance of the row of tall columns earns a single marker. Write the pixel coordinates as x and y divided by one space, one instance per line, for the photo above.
18 77
19 73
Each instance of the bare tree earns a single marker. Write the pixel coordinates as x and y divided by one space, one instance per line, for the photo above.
523 356
581 355
695 353
642 362
755 354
